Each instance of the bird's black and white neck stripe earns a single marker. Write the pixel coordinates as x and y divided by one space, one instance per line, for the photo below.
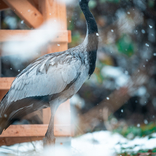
91 40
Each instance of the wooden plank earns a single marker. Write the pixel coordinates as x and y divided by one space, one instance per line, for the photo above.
34 130
69 36
26 11
6 35
24 131
52 9
2 93
46 115
10 141
5 83
34 3
3 5
56 47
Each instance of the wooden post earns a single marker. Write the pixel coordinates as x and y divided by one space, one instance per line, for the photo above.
51 9
26 11
3 5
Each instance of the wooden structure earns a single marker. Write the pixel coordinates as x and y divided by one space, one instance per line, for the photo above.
34 13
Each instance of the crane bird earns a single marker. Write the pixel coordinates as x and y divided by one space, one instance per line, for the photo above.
51 79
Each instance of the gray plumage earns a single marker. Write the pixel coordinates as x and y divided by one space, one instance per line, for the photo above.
61 73
53 71
51 79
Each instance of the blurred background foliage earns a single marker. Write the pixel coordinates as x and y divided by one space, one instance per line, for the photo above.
127 46
126 59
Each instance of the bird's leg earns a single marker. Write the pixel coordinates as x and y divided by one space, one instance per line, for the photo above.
49 136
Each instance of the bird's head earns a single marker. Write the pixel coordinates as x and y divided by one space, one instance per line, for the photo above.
84 2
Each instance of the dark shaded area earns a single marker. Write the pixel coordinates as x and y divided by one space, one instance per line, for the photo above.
12 65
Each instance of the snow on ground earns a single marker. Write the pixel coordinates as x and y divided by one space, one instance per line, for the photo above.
102 143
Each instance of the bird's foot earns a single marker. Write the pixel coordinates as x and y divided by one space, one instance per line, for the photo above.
48 141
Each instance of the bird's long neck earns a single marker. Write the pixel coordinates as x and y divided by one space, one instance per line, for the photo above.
91 23
91 40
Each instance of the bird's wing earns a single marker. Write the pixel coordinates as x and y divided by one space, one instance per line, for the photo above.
48 75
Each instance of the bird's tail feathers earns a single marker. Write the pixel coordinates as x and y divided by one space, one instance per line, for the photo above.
3 125
3 116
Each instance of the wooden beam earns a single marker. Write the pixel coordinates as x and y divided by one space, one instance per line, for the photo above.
46 115
5 83
27 133
34 3
7 141
34 130
26 11
52 9
7 35
69 36
3 5
2 93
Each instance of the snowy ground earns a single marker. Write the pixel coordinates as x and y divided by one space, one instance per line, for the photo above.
102 143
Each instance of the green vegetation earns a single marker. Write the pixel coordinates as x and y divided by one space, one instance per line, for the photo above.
133 131
125 45
114 1
140 152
